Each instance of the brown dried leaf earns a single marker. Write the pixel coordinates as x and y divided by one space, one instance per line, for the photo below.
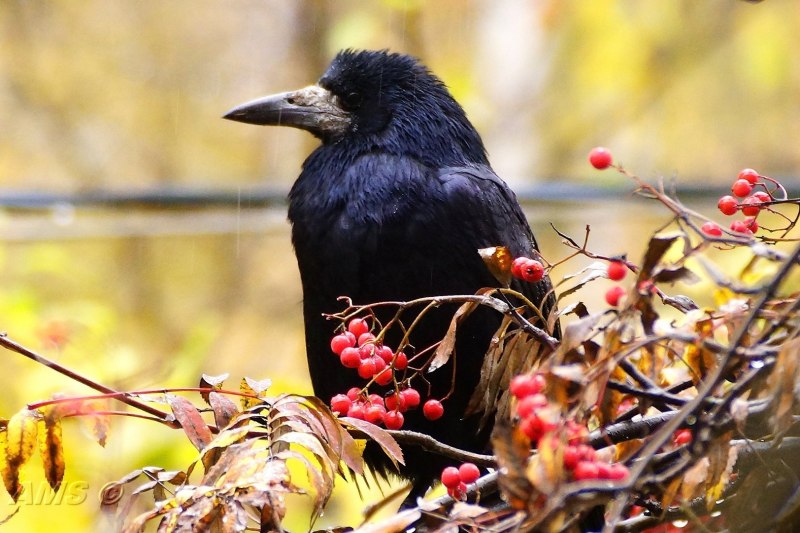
190 420
384 440
658 246
671 491
698 359
546 469
673 274
211 382
396 523
448 344
338 437
498 259
19 446
723 457
512 354
51 449
98 424
224 409
512 448
575 334
598 269
694 479
787 371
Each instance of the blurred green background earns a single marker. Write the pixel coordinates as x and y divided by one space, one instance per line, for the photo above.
125 96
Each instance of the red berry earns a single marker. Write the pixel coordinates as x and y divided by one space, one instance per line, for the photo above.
358 326
393 419
739 226
616 270
380 364
585 470
532 271
410 397
751 224
751 206
603 470
354 393
386 354
340 342
340 404
451 477
401 361
532 427
366 351
366 338
366 368
587 452
396 402
517 264
350 358
741 188
712 229
618 471
749 175
374 413
433 409
576 433
600 158
761 196
530 404
459 492
571 457
469 473
375 399
614 294
357 410
728 205
526 384
681 437
384 377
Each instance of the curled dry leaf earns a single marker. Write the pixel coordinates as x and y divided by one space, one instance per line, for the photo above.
19 446
498 259
51 448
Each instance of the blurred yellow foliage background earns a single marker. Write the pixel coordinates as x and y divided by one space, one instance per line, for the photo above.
122 95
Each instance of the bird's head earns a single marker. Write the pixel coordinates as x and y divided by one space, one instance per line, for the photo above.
378 100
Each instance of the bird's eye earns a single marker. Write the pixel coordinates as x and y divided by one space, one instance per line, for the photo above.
352 100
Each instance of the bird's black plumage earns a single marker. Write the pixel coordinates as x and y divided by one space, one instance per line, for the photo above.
394 205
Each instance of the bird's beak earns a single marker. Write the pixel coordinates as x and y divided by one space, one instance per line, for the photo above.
312 108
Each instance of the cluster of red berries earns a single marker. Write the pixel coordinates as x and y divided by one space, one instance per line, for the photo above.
359 349
375 408
616 271
457 479
527 269
751 205
539 420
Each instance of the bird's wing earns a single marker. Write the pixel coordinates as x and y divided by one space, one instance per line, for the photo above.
492 216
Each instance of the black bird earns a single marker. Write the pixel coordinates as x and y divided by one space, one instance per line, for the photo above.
394 205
